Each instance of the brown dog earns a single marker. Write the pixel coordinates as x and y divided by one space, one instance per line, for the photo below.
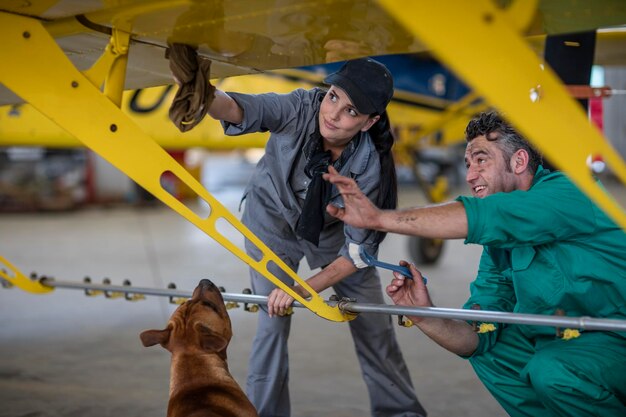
197 335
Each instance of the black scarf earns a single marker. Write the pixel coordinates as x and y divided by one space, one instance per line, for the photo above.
311 220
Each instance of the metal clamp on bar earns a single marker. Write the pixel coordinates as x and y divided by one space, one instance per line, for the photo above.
481 327
229 304
131 296
404 321
567 333
252 308
111 294
173 299
88 291
342 303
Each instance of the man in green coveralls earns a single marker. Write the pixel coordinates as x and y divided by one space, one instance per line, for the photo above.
547 249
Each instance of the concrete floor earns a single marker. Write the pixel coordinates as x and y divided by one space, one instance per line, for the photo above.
66 354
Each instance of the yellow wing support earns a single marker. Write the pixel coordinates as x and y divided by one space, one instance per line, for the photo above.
482 44
41 74
14 276
110 70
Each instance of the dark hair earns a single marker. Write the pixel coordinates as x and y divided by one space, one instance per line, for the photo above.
383 139
493 127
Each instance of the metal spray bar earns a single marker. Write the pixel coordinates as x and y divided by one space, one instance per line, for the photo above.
584 323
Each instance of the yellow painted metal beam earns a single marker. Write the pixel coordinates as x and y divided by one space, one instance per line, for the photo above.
67 97
109 71
116 76
477 41
15 277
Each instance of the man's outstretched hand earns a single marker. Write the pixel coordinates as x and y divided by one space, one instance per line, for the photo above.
358 210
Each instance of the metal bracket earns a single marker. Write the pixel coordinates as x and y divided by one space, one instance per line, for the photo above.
229 304
88 291
109 71
252 308
131 296
341 303
175 300
404 321
16 278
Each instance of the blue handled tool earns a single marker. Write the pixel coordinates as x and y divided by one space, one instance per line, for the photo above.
369 260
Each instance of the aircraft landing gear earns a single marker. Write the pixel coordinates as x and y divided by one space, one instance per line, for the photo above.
424 251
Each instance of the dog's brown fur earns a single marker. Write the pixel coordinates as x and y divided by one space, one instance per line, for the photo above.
197 335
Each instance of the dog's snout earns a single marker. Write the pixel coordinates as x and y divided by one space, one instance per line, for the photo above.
206 288
206 283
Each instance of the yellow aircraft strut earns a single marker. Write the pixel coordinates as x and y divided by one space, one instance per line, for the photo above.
110 70
13 275
481 44
41 74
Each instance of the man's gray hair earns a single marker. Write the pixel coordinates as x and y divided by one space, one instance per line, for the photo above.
493 127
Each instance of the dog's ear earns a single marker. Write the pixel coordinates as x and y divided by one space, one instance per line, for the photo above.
152 337
210 340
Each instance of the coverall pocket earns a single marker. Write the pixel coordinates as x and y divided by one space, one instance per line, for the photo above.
538 282
521 258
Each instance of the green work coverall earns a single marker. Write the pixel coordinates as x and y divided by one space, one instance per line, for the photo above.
547 249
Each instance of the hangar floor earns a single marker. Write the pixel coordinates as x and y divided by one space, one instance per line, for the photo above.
65 354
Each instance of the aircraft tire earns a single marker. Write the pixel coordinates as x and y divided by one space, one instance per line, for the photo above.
425 251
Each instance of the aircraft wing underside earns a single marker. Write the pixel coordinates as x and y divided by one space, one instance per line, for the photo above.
250 36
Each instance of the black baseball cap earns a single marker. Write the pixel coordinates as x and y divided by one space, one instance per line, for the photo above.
368 83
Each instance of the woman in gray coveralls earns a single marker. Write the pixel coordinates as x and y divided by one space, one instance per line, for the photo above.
346 126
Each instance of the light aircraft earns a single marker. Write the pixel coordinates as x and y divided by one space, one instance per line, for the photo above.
421 109
73 61
423 91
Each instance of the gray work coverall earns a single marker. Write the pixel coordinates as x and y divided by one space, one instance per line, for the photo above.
272 209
